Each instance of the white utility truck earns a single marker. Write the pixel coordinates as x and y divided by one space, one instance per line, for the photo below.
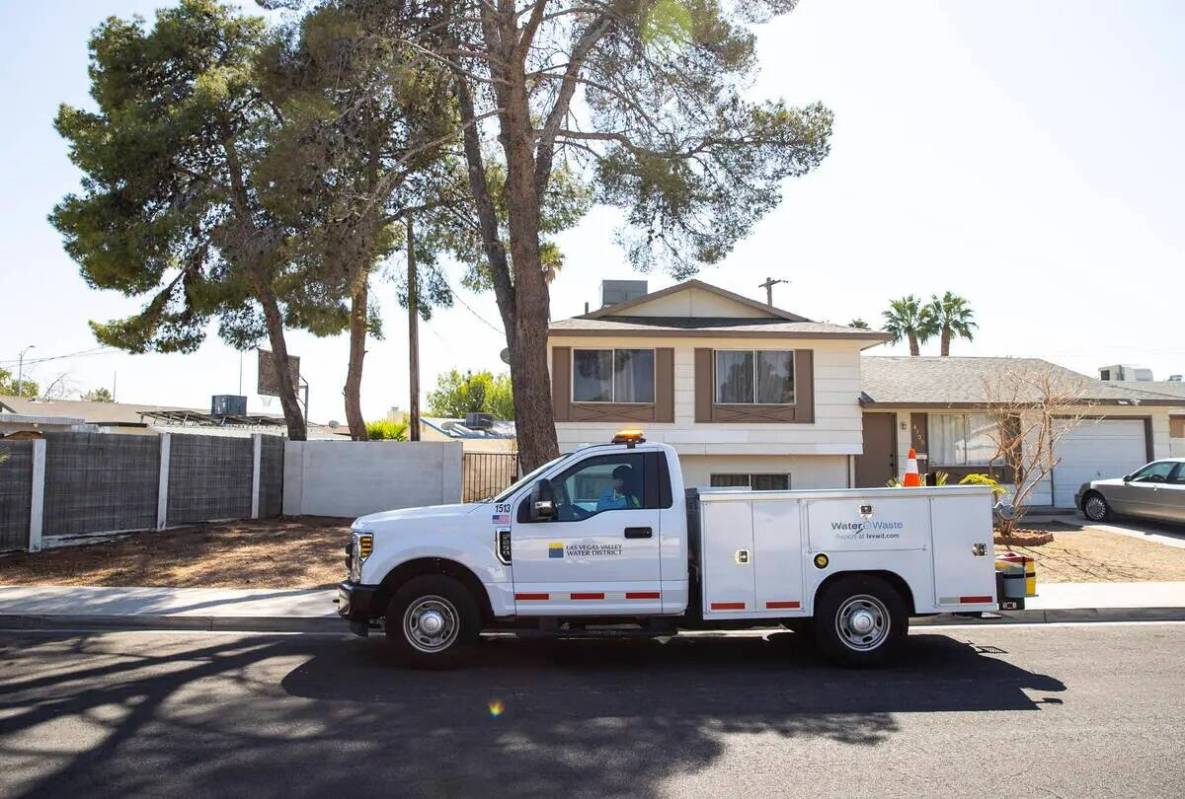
605 539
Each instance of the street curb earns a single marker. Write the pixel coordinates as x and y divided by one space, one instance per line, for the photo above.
290 624
1057 616
272 624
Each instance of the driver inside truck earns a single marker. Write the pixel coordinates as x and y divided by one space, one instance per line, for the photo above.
620 494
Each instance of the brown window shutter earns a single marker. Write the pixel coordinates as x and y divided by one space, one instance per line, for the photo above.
664 385
703 385
804 385
561 383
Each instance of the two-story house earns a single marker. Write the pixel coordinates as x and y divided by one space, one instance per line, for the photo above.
748 394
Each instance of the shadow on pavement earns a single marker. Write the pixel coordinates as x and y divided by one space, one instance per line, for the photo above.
262 715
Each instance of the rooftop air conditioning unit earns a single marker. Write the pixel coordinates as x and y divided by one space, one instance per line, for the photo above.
228 405
614 292
479 421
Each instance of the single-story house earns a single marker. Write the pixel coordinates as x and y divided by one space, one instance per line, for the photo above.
949 410
494 435
753 395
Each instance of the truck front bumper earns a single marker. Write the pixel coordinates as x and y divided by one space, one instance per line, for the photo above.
357 603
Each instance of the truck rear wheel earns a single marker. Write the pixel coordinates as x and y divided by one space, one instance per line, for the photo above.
432 622
860 621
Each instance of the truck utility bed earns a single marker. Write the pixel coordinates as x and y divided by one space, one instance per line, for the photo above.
765 554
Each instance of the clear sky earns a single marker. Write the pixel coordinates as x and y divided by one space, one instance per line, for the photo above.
1024 153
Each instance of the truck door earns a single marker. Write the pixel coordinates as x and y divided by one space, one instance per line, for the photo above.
599 554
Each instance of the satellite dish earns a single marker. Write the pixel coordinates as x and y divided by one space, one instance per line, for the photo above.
505 355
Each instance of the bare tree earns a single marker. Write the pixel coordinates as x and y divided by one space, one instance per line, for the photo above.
1034 406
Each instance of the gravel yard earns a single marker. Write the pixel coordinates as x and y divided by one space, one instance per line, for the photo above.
288 552
1092 556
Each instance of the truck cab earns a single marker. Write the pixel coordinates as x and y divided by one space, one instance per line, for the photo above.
608 535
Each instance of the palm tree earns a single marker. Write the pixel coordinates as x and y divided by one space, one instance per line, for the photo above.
953 317
858 323
907 318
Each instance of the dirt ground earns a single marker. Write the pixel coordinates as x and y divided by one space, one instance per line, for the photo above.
1096 556
308 553
303 552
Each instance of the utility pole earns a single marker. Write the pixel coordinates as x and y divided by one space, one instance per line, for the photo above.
20 370
413 338
768 285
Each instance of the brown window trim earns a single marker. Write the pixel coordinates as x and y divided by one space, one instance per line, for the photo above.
708 411
565 410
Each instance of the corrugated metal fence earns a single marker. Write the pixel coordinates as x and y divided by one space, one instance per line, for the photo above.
103 482
16 486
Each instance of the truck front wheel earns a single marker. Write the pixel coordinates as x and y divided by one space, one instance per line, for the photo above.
432 622
860 620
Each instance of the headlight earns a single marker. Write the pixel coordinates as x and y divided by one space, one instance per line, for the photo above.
363 546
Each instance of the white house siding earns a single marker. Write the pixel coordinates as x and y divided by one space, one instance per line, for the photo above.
806 471
836 430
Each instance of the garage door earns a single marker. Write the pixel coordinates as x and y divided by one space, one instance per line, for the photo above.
1095 450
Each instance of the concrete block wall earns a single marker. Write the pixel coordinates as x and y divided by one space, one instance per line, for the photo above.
354 478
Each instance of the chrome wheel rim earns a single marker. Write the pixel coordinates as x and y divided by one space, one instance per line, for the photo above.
1096 508
862 623
431 624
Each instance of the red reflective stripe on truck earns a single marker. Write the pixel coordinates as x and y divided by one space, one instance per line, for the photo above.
974 600
532 596
728 606
642 594
788 605
587 596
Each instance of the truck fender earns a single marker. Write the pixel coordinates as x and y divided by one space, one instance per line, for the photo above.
892 578
415 567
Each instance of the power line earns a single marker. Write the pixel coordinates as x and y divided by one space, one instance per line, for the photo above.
79 354
480 318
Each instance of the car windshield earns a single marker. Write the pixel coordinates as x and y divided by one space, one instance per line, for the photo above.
509 492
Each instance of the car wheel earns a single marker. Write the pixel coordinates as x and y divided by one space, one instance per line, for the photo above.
860 621
433 622
1095 507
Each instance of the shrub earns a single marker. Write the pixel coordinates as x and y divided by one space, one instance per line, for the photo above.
387 430
984 480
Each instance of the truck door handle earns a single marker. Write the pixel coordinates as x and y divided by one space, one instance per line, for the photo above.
638 532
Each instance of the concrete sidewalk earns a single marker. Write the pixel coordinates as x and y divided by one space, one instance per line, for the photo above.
315 611
183 608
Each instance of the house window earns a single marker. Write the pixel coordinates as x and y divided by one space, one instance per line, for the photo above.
625 376
963 439
754 376
755 482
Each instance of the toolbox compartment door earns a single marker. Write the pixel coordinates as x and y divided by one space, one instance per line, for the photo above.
962 528
727 541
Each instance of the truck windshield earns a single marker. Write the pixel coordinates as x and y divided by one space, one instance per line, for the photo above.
529 478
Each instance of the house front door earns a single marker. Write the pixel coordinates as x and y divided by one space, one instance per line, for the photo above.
878 464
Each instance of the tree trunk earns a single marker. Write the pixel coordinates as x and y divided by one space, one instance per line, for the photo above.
534 421
353 390
914 350
945 341
297 430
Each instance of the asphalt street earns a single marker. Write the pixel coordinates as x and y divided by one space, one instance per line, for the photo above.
1028 711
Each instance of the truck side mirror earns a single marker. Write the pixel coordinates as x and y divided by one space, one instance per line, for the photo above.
542 501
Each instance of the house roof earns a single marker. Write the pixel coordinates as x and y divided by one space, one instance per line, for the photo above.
94 412
1169 388
962 382
620 308
624 319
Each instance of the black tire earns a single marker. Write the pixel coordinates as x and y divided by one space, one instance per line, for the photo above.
1095 507
851 602
435 598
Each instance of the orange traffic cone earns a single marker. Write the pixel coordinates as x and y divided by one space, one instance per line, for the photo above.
911 479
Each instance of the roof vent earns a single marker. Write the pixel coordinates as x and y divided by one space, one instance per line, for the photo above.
614 292
479 421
